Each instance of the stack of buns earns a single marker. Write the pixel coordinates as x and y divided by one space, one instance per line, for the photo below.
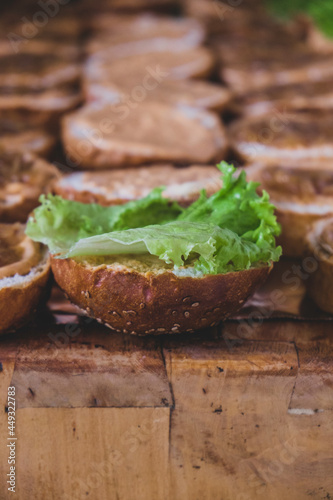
40 73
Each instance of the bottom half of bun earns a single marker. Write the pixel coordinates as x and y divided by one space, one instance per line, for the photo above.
131 297
20 296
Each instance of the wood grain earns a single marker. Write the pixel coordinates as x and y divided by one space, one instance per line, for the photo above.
235 413
95 453
6 373
229 407
314 345
90 368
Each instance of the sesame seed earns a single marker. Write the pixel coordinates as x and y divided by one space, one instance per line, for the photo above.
129 323
195 304
186 314
130 313
186 299
160 330
174 313
174 329
142 305
176 325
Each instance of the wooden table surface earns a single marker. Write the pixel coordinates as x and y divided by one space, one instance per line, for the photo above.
242 411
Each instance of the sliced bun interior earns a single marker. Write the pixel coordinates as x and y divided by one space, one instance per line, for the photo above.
24 273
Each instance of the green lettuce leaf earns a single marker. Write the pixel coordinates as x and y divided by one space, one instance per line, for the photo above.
208 248
320 11
236 206
59 223
231 230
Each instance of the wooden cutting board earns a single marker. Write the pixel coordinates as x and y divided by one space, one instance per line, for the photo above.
239 412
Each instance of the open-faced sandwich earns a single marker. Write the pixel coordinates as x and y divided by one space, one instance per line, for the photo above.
151 266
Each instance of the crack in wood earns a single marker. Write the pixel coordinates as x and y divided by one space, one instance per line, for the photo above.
298 368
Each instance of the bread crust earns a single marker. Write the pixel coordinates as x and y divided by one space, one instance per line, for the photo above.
112 65
33 177
110 187
266 69
35 141
123 30
41 71
129 7
295 227
189 92
295 211
304 96
320 286
18 303
42 109
18 212
320 282
293 140
193 136
146 303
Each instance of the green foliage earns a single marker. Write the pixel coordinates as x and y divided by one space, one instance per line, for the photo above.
321 11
